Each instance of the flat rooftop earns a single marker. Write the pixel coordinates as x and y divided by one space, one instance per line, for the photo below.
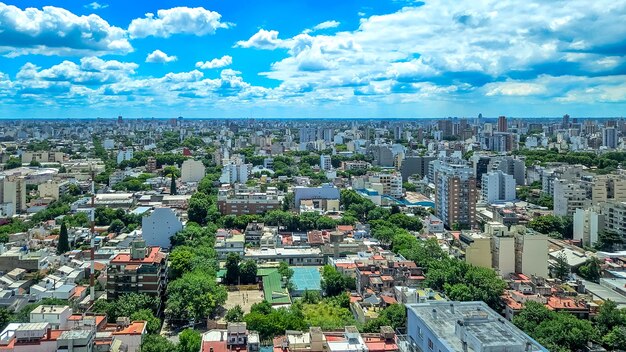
482 323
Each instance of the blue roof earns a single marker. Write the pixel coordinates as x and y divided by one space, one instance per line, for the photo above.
140 210
306 279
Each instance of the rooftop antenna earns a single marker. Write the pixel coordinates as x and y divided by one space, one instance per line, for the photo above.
92 289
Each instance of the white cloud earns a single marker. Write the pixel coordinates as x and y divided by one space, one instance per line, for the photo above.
56 31
327 25
515 89
263 39
96 6
215 63
160 57
178 20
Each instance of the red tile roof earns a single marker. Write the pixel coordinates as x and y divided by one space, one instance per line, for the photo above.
154 256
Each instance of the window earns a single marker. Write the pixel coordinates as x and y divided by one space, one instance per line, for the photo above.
430 345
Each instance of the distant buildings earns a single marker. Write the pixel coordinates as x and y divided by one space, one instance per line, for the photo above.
235 172
415 165
325 162
124 154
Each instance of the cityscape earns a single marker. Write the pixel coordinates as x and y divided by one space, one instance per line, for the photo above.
368 176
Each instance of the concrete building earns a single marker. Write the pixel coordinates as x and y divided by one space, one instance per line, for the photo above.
609 137
235 172
192 171
498 186
455 193
159 226
323 192
462 326
510 165
569 196
587 225
308 134
56 316
13 191
502 124
227 242
242 200
124 154
516 251
614 217
42 157
391 184
415 165
143 270
236 337
52 189
325 162
383 155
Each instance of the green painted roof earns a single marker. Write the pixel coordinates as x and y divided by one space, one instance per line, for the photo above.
273 291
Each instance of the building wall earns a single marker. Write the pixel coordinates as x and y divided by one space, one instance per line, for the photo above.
504 255
159 226
479 253
535 255
192 171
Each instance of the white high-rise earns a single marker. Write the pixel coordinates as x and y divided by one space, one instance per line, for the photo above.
498 186
325 162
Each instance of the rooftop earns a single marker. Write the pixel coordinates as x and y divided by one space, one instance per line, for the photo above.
483 324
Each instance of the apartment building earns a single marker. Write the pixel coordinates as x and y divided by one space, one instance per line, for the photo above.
326 162
161 224
192 171
391 184
462 326
415 165
614 217
349 340
569 196
235 172
143 270
498 186
53 189
455 193
42 157
242 200
13 191
511 166
588 224
236 337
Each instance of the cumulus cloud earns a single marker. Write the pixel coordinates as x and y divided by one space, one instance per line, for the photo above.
96 6
178 20
215 63
159 57
327 25
56 31
263 39
515 89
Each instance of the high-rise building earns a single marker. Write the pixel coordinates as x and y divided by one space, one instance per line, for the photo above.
13 195
512 166
455 193
481 166
502 125
498 186
308 134
609 137
415 165
587 225
565 123
192 171
325 162
569 196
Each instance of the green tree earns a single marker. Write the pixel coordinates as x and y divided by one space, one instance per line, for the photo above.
615 339
232 269
335 283
5 317
248 271
180 261
409 187
609 317
561 268
234 315
13 163
197 211
193 297
153 323
116 226
189 341
173 185
591 270
157 343
64 245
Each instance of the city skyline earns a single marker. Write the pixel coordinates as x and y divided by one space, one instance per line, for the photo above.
353 59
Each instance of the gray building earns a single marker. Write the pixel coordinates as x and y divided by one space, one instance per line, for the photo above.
325 191
415 165
462 326
383 155
512 166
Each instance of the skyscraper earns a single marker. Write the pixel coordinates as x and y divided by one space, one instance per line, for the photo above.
609 137
565 123
455 193
502 126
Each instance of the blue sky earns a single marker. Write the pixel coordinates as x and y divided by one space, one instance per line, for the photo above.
348 58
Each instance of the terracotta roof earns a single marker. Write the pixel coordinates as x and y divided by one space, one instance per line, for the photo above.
135 328
154 256
388 299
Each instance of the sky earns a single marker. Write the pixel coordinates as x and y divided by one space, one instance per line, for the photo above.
312 59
